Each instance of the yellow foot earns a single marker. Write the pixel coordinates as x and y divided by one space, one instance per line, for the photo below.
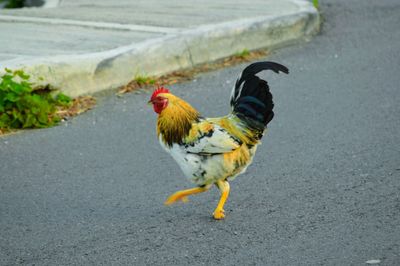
182 195
176 197
219 214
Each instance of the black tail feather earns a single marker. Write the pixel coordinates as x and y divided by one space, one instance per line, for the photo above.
251 98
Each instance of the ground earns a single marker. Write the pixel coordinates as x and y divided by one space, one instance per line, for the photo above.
323 188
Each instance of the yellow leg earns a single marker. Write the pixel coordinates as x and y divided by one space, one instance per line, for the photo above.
219 212
182 195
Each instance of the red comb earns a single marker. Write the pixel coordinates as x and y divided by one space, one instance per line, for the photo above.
158 91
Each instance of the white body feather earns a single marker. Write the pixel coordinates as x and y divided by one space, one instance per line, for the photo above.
203 162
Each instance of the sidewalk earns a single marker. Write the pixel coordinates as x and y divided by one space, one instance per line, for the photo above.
86 46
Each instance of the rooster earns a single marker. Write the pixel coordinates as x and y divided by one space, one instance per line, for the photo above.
215 150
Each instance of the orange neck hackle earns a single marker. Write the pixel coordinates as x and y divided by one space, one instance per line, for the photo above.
176 119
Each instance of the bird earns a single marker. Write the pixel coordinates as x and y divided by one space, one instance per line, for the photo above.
215 150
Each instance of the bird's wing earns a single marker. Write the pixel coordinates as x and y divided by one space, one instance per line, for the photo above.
209 138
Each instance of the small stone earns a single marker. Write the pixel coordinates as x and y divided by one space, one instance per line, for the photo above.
373 261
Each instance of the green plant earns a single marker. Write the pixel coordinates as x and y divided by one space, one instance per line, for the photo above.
144 80
243 54
14 3
316 3
23 107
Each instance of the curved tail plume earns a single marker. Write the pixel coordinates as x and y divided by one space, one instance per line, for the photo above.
251 98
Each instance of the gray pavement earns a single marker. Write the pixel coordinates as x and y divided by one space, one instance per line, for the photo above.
88 46
324 188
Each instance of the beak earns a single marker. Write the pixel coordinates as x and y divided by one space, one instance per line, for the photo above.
150 102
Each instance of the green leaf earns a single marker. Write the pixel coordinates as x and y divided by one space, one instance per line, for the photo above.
29 121
63 99
43 118
6 78
27 86
12 97
4 118
17 116
56 119
2 109
35 110
18 88
20 73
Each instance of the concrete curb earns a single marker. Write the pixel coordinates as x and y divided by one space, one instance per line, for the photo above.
89 73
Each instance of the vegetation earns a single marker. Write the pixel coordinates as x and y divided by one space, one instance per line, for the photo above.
144 80
316 3
243 54
14 3
23 107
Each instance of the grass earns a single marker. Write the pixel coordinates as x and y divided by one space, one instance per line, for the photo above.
243 54
316 3
144 80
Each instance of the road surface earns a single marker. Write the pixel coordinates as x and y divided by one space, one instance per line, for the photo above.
323 189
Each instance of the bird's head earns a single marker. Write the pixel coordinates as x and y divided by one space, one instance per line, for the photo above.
159 99
168 105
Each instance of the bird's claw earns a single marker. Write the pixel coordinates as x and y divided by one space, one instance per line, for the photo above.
219 214
174 198
185 199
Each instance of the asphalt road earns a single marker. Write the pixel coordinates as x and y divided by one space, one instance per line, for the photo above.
323 189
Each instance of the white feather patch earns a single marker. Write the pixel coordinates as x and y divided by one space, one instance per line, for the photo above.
216 141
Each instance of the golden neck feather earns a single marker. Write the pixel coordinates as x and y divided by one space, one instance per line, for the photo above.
175 121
